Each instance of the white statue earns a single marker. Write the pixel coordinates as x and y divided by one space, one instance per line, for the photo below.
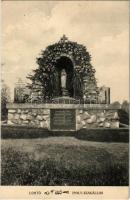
63 79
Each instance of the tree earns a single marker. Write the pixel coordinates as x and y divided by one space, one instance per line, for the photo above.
115 104
125 106
5 98
47 62
124 113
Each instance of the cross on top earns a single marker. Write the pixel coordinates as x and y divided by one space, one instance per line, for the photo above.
64 39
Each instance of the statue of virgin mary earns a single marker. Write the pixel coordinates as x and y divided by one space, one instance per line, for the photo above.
63 79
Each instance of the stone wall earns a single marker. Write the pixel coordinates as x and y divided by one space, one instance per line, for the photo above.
29 117
87 116
97 119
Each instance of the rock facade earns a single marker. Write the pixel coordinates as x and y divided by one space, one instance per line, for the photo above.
97 119
29 117
38 115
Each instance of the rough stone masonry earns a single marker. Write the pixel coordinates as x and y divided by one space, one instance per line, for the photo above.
38 115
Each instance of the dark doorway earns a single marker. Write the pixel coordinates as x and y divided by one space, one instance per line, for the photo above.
65 63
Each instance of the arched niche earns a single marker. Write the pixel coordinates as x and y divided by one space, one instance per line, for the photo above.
65 63
72 57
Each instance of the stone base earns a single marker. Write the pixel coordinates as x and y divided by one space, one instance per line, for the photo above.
87 116
97 119
64 92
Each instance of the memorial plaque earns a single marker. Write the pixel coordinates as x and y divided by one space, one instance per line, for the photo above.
63 119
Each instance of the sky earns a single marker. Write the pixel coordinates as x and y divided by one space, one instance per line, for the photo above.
102 26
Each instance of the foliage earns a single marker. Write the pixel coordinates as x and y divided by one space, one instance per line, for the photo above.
123 112
5 98
125 106
116 104
101 135
46 71
123 116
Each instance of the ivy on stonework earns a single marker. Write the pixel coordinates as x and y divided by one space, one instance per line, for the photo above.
44 74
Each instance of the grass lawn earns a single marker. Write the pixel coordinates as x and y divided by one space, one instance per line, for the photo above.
64 161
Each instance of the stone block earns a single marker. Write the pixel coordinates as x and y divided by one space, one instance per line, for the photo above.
25 111
79 126
100 125
34 114
46 111
107 125
39 117
45 117
19 121
10 116
19 111
43 124
29 117
23 117
115 117
10 122
83 123
47 124
86 115
32 123
16 116
37 122
25 122
78 119
40 111
80 111
115 124
101 119
12 111
109 115
89 121
93 118
101 115
15 121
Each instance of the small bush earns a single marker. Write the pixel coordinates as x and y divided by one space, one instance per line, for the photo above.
123 116
103 135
